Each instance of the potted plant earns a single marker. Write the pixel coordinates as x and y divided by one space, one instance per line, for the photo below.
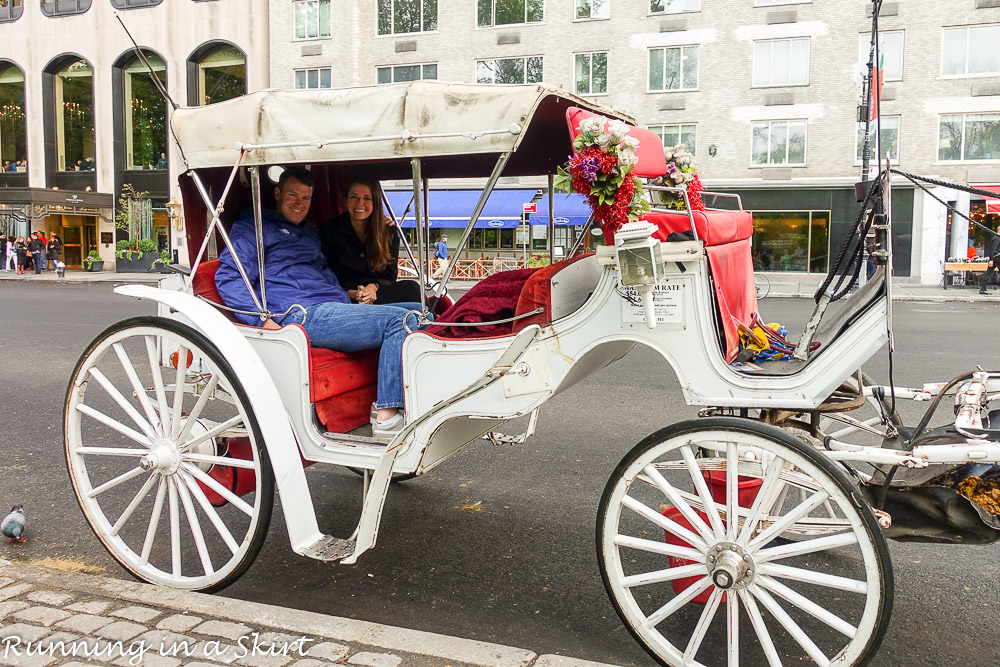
134 254
160 263
93 262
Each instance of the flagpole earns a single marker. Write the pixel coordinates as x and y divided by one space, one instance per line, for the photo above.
872 55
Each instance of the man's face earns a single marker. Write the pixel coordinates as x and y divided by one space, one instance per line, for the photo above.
293 200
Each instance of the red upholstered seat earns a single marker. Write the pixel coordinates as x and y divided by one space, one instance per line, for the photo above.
342 385
652 162
537 293
714 227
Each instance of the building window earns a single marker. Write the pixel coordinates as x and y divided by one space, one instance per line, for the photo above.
507 12
397 73
791 241
222 75
890 139
509 70
590 73
317 77
145 115
970 50
890 51
969 137
593 9
404 16
681 133
777 142
13 123
312 19
63 7
134 4
673 6
781 62
11 11
674 68
74 107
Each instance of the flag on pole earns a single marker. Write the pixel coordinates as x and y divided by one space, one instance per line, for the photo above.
877 90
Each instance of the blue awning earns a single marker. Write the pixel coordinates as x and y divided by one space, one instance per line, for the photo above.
571 209
452 208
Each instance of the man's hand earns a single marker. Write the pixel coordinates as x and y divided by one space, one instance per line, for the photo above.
270 324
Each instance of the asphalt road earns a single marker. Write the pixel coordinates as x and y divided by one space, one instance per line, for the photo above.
522 569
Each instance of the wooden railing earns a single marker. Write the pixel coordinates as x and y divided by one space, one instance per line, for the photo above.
476 269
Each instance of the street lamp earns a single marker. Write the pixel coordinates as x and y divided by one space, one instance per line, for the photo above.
175 211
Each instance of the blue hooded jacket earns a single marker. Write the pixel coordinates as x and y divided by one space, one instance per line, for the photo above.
294 267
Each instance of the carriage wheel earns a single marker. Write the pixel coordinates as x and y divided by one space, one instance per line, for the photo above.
165 456
697 589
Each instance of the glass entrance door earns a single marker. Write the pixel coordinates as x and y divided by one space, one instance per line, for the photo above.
72 247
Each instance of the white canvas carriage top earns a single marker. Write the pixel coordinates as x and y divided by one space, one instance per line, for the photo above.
369 123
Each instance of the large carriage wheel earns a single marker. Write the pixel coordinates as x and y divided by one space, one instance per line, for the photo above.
697 589
165 456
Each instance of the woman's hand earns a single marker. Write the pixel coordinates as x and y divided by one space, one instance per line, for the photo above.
367 293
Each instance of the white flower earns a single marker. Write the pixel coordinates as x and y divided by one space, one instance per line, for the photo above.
617 129
603 140
594 125
677 177
629 143
629 159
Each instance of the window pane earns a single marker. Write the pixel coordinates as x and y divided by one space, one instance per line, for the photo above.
406 73
324 18
300 20
509 70
671 135
581 73
222 75
490 238
484 13
690 65
75 102
780 240
406 16
890 138
384 74
599 73
672 69
799 65
759 143
687 137
506 238
324 78
892 49
146 116
600 9
384 17
300 79
583 9
797 143
312 18
983 56
779 62
509 11
950 138
535 10
761 63
312 78
953 51
656 6
430 71
534 70
13 135
656 69
430 15
819 239
982 137
484 71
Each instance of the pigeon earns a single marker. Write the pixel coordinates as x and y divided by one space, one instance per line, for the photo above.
13 525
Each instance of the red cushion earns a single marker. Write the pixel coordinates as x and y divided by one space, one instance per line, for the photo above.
347 411
537 292
204 285
714 227
652 162
732 273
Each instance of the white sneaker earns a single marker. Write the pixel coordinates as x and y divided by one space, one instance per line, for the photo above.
388 429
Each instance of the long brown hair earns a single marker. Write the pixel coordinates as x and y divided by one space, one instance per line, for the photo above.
378 235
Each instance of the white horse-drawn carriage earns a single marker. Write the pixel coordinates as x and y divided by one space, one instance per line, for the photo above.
754 534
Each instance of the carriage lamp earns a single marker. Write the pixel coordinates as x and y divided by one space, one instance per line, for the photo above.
174 210
639 262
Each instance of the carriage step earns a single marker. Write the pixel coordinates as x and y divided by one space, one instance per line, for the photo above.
329 548
353 440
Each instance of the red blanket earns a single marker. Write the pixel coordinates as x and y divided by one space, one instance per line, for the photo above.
494 298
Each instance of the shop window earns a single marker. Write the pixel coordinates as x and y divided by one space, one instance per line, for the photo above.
11 11
73 91
970 50
318 77
781 62
791 241
675 68
890 139
890 52
406 16
673 6
590 73
145 114
507 12
397 73
13 123
64 7
969 137
681 133
593 9
509 70
312 19
221 75
134 4
779 142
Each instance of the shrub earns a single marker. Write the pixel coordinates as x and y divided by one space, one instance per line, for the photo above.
92 257
147 245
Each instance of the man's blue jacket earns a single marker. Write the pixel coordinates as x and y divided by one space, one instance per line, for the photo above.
294 267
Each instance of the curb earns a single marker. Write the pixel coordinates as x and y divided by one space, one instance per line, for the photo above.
297 622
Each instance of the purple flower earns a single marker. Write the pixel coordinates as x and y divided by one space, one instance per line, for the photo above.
589 167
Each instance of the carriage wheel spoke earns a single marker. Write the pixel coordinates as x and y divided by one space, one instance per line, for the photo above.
223 461
153 355
179 389
808 606
800 510
198 407
175 528
790 626
213 432
114 424
669 574
810 577
698 478
828 508
154 521
663 522
139 497
123 403
689 593
661 548
138 389
195 525
685 508
235 500
124 477
210 512
732 490
763 503
805 547
110 451
733 629
707 614
763 636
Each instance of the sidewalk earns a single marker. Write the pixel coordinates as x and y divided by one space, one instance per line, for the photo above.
113 622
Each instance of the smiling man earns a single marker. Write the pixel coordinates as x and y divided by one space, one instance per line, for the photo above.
296 274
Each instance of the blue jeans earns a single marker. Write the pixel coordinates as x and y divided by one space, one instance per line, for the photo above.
349 327
39 261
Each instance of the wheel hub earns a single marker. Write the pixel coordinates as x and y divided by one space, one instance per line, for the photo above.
730 566
163 457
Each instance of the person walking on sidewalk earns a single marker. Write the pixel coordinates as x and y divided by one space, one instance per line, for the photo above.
10 256
53 249
440 257
37 249
993 252
21 251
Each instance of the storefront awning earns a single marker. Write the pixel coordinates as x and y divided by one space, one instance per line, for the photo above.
571 209
452 208
992 203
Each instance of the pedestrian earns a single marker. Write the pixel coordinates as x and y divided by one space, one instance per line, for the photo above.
440 256
36 246
53 249
993 253
21 252
10 259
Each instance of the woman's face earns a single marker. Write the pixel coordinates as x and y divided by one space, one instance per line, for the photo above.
359 202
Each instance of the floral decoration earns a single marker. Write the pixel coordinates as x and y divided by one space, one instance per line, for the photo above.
968 260
681 173
601 170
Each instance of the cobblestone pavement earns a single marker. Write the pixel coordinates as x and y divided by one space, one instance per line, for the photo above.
50 617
